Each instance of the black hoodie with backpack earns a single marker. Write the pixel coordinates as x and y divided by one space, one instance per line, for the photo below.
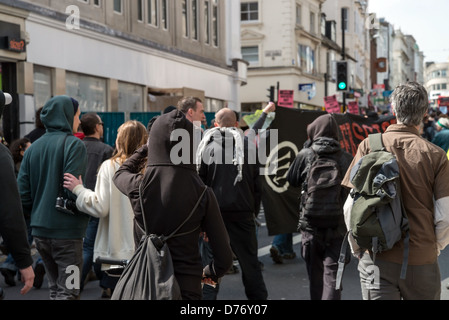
323 140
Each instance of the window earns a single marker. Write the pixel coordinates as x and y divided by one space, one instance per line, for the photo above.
194 19
152 16
323 25
251 54
215 22
298 14
211 22
306 59
164 14
249 11
206 22
140 10
42 85
118 6
130 97
97 3
444 86
312 23
185 21
88 90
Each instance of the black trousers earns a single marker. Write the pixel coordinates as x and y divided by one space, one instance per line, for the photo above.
244 244
320 251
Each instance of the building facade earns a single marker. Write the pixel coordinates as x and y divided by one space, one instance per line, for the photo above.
294 45
119 56
437 81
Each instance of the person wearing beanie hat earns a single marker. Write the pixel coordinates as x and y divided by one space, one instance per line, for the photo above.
441 138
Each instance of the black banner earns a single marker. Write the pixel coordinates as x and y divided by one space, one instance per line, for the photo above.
279 199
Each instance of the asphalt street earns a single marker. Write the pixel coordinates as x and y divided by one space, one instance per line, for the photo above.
287 281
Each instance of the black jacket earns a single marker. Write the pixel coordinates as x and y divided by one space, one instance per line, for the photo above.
12 222
323 139
97 153
238 201
170 191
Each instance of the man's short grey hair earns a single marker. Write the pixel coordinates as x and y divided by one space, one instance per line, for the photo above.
410 102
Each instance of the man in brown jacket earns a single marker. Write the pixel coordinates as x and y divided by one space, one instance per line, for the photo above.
424 182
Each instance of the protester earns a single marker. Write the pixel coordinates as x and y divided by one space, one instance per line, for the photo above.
9 268
321 246
12 223
428 129
39 129
223 158
58 235
18 148
193 109
114 238
424 183
92 128
171 187
441 137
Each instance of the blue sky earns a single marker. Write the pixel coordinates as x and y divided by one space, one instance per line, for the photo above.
426 20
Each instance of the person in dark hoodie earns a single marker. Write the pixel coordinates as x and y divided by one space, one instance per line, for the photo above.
223 163
12 222
321 246
171 188
58 235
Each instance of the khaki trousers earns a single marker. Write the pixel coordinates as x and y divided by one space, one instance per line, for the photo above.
382 281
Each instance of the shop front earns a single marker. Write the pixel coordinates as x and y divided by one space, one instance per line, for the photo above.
12 54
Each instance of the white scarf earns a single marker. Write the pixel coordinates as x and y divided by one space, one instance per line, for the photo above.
238 153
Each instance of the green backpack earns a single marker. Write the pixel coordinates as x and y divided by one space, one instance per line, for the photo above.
378 219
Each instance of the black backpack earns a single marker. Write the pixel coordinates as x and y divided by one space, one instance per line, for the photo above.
322 197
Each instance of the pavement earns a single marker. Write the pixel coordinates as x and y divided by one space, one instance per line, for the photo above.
287 281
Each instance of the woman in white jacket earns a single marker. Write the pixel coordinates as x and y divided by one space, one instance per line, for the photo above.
115 238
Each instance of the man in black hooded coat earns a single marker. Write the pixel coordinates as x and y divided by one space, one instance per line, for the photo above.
321 246
171 188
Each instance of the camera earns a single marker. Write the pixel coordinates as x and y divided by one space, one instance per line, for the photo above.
66 205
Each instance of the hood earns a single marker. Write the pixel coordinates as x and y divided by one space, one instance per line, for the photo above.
323 126
164 152
57 114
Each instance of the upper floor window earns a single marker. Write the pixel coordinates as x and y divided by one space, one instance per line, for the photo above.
251 54
249 11
312 23
118 6
298 14
211 21
154 12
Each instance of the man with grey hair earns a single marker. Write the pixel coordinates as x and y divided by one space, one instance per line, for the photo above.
424 183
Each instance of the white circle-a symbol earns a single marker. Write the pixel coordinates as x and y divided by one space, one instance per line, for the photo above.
281 157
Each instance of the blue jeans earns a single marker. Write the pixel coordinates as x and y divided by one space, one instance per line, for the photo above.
284 243
88 250
9 262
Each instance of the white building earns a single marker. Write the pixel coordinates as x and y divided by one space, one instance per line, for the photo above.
437 80
120 56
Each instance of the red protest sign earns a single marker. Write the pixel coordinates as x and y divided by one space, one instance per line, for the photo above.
331 104
286 98
353 107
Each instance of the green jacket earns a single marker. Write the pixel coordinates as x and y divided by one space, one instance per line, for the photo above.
42 169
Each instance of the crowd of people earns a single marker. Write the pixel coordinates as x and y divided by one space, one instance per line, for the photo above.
78 200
